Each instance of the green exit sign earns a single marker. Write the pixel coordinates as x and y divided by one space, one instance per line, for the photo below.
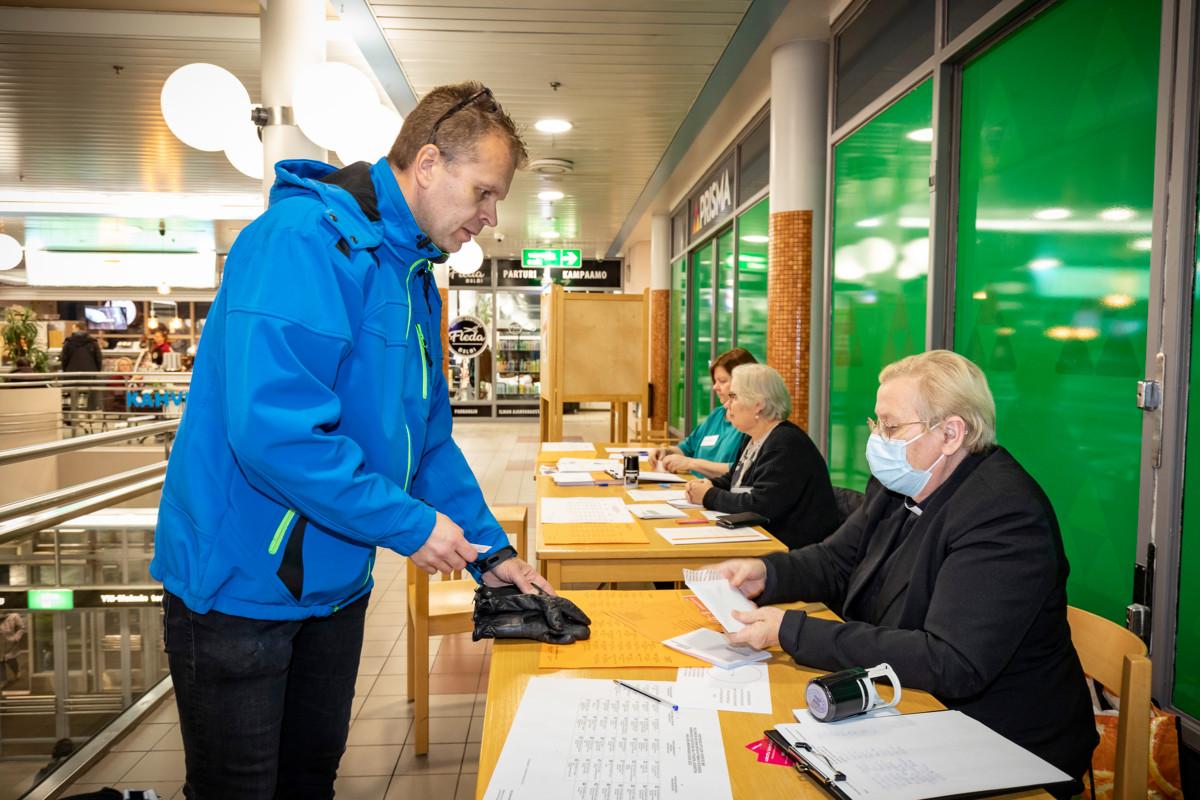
51 599
544 257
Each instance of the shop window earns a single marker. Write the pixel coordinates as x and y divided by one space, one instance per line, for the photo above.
754 164
887 40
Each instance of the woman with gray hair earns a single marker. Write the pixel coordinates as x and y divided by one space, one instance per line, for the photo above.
952 571
778 471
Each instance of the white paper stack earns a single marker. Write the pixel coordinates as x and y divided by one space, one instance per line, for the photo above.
572 478
660 477
657 495
713 647
709 534
655 511
586 464
718 596
583 509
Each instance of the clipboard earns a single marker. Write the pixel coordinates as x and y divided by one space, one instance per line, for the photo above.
806 767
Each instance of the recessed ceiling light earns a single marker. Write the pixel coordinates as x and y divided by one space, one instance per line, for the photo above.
1052 213
550 194
755 238
553 125
920 135
1118 214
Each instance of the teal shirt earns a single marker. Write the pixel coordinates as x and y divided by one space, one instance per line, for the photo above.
713 440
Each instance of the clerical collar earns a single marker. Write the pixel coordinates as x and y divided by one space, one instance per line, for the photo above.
914 508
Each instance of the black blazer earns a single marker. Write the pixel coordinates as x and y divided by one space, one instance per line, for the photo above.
789 485
973 610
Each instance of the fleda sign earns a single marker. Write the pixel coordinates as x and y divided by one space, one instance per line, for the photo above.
714 201
468 336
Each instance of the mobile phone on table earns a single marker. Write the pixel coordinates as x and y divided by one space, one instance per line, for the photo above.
745 519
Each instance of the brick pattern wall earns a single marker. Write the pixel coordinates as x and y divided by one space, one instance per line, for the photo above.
789 301
660 350
445 295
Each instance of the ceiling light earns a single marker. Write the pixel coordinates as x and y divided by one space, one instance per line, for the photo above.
920 135
1042 264
980 295
152 323
373 137
164 289
755 238
245 150
10 252
468 259
1060 332
1052 213
873 222
1143 244
202 105
553 125
1118 214
1117 300
328 98
550 195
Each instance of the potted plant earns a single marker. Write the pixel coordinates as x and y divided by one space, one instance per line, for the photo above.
20 337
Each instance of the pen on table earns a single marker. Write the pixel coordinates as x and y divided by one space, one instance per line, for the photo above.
691 521
646 694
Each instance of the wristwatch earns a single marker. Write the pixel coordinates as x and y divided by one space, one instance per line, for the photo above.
492 561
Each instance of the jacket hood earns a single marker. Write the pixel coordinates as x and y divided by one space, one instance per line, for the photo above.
302 177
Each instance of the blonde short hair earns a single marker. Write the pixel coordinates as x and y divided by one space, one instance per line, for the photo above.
950 385
754 383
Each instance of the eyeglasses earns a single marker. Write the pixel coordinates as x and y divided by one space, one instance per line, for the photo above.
459 106
890 431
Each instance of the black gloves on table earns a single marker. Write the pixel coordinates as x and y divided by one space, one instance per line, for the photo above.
505 613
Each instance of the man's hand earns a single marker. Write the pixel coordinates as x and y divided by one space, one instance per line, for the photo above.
518 573
696 491
762 627
446 549
747 575
675 462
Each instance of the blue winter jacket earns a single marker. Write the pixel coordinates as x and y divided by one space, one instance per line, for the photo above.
318 420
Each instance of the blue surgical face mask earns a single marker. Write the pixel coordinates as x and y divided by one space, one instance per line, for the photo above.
888 459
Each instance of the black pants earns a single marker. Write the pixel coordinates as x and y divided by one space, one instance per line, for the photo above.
264 706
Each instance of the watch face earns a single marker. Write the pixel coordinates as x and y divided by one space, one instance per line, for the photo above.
818 701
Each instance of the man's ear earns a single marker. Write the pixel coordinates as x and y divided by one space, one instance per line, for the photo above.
954 434
423 164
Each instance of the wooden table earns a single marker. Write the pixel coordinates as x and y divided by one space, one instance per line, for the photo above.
513 663
658 560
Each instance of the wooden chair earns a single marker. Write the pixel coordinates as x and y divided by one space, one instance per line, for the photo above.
1116 658
438 608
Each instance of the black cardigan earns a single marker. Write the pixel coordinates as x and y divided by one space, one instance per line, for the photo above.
973 609
789 485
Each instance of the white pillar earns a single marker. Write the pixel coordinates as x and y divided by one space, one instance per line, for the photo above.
660 252
292 34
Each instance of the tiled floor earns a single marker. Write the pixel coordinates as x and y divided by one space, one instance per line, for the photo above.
379 763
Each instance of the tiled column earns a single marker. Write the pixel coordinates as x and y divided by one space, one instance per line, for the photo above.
441 276
660 317
795 278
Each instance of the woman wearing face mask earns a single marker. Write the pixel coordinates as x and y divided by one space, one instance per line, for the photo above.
952 571
712 445
778 472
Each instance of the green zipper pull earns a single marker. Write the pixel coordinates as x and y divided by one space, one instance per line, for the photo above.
280 530
426 362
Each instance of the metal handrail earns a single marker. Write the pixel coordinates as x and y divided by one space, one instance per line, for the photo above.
18 454
14 529
79 491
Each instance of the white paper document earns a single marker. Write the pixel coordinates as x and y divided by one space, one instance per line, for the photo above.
644 452
656 495
660 477
708 645
655 511
579 738
708 534
683 502
586 464
718 596
583 509
745 688
919 756
568 447
572 478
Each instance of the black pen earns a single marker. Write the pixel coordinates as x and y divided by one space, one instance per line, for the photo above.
646 694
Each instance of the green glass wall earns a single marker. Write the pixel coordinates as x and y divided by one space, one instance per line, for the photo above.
752 279
726 289
880 264
678 342
701 349
1052 279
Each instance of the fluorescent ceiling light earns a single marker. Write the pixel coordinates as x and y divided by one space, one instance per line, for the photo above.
755 238
153 269
553 125
920 135
873 222
1118 214
141 205
550 195
1143 244
1052 213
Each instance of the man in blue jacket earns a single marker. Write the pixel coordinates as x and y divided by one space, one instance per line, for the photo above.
317 429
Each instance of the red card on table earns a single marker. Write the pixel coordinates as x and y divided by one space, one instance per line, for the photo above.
768 753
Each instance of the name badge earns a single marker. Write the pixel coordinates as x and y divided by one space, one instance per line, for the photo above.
709 441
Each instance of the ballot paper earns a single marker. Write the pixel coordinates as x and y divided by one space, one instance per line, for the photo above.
718 596
648 476
576 738
656 495
572 478
568 447
918 756
655 511
714 647
709 534
745 688
587 464
583 509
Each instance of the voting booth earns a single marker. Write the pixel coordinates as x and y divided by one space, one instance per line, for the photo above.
594 350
